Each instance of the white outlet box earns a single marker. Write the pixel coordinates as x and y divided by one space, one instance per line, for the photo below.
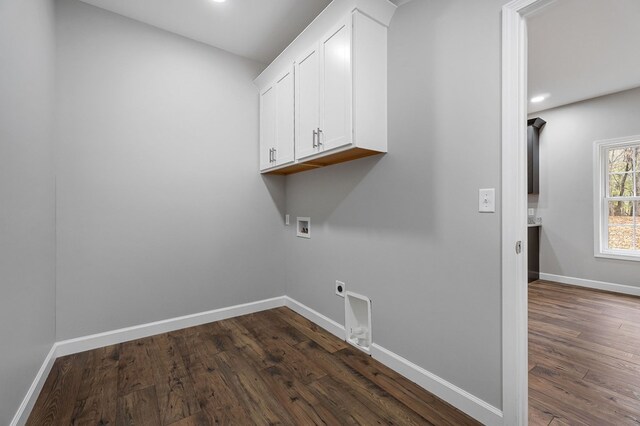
357 318
341 288
304 227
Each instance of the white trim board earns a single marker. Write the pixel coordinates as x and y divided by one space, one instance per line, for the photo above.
480 410
597 285
316 317
514 209
459 398
94 341
30 398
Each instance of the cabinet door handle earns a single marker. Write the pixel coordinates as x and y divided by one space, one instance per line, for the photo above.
319 132
271 155
274 155
315 145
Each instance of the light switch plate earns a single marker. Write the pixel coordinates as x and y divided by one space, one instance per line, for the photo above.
487 200
286 220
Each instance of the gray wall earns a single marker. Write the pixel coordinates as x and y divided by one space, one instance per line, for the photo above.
161 211
404 228
27 230
565 202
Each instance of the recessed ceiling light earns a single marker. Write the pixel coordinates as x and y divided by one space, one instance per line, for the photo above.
539 98
219 1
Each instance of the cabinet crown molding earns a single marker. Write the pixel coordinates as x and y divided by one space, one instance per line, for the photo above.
379 10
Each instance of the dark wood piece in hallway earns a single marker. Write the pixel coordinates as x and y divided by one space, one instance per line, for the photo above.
272 367
584 356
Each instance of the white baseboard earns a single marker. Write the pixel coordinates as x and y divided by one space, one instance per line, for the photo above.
81 344
316 317
475 407
459 398
597 285
30 398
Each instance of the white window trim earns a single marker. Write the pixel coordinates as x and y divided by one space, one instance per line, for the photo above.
600 172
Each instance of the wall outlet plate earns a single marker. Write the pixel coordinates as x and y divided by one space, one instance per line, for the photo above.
286 219
341 288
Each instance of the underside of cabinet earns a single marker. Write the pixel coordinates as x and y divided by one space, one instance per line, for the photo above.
327 160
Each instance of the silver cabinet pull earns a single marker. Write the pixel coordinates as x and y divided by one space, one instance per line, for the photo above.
315 145
319 141
274 155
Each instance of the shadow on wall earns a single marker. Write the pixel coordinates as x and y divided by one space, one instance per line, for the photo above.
322 191
551 258
275 184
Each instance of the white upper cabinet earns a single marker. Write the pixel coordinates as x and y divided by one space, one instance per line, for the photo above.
335 87
285 116
307 103
330 106
277 122
267 127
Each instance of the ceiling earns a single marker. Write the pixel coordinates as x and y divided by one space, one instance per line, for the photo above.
255 29
580 49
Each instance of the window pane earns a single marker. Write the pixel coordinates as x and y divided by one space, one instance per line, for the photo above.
621 159
621 237
638 184
621 213
621 185
621 225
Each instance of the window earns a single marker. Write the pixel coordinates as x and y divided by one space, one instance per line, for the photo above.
617 198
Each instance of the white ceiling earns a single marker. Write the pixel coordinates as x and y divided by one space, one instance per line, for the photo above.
255 29
580 49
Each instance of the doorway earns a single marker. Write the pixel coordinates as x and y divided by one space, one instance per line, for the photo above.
516 99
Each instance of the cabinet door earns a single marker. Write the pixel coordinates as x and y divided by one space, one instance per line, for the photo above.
267 127
335 94
285 117
307 103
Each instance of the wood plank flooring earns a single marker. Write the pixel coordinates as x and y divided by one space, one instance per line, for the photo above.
272 367
584 356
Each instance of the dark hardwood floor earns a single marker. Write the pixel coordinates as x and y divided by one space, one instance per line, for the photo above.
584 356
273 367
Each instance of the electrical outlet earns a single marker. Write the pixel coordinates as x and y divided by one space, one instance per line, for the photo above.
286 220
341 288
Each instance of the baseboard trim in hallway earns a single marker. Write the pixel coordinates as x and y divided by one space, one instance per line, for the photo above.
459 398
596 285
